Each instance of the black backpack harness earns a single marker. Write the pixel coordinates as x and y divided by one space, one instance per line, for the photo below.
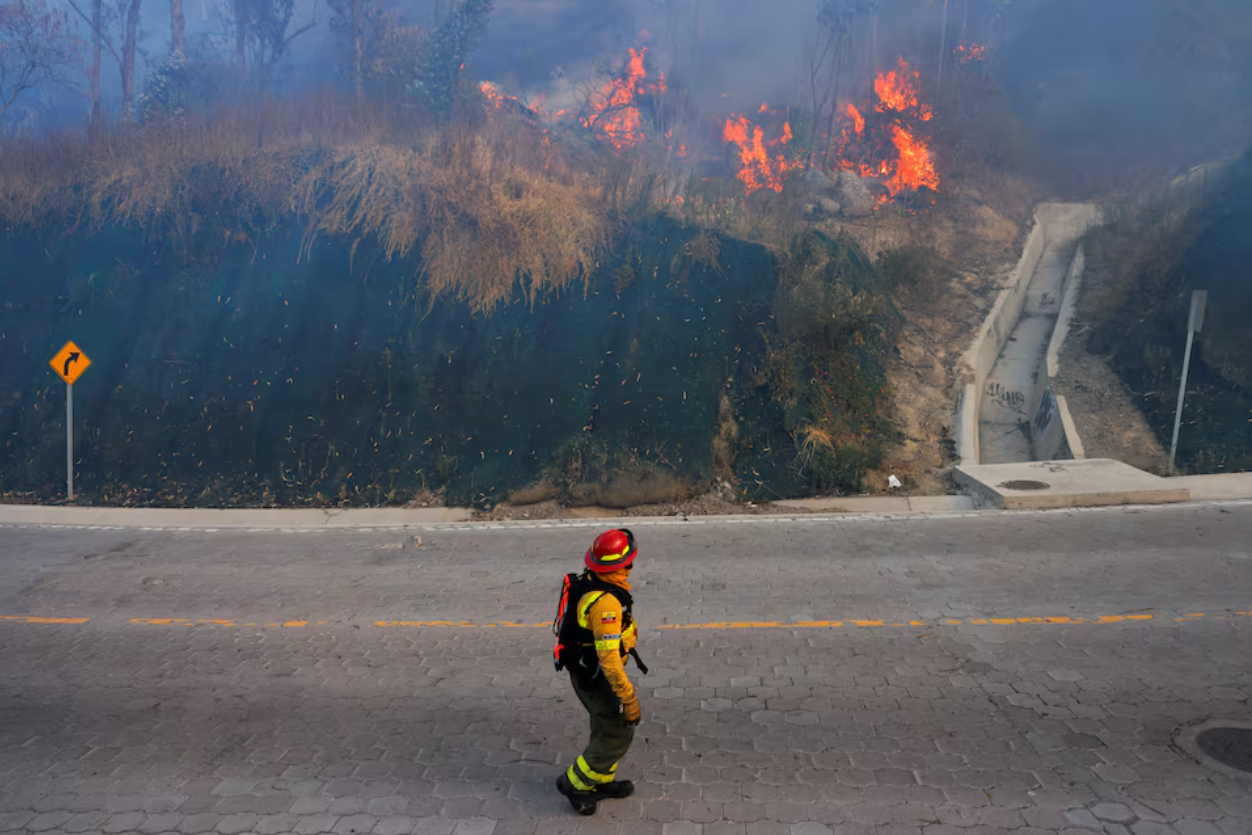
575 648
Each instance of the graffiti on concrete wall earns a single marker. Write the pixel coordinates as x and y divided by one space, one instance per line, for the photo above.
1046 413
1005 399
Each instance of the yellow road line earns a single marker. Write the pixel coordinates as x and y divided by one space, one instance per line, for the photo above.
506 624
872 624
851 623
216 622
33 619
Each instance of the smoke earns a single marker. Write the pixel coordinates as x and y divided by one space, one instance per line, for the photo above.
1164 82
729 54
1167 80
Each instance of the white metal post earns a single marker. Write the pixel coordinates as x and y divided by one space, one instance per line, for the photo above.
1182 391
69 442
1195 321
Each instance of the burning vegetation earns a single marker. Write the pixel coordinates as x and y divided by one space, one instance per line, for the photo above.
888 146
883 142
968 52
762 163
615 109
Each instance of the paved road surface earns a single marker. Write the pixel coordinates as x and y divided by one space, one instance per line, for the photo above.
1009 672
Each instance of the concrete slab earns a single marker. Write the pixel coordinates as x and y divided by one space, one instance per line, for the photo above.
1044 296
1004 442
1092 482
881 504
850 504
157 517
1029 338
940 504
1214 488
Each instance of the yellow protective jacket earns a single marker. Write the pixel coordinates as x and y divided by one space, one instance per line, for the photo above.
602 613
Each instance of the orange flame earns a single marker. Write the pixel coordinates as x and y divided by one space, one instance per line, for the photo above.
494 94
968 52
915 168
888 147
758 168
614 108
898 90
858 121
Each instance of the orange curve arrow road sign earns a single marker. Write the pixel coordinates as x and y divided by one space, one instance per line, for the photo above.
70 363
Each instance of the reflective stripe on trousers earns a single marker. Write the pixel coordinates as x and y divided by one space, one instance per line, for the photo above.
585 778
610 735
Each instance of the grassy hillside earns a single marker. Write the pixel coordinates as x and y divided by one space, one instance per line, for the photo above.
1195 236
362 312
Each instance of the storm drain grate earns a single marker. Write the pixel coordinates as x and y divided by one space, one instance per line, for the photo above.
1232 747
1024 485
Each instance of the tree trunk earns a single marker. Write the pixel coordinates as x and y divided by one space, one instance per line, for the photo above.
873 42
943 48
128 60
241 61
178 29
97 21
840 48
358 48
819 103
439 11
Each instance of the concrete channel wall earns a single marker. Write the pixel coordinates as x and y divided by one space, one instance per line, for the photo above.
1054 435
992 336
1052 432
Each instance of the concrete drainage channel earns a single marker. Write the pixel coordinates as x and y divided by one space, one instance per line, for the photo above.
1008 412
1012 427
1220 744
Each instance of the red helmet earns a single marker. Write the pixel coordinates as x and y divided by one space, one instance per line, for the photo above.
612 550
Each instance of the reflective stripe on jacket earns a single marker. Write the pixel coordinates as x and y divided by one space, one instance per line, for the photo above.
602 613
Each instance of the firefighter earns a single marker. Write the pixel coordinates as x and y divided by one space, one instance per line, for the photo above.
598 633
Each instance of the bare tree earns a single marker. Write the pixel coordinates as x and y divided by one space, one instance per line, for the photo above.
126 12
873 33
97 26
834 20
818 57
130 39
995 27
261 30
36 47
263 37
178 30
350 15
240 14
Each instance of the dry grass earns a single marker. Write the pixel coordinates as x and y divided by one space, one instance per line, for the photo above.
812 441
486 205
481 224
634 488
537 493
725 439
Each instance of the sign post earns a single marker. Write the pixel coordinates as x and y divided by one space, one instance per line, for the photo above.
1194 324
69 364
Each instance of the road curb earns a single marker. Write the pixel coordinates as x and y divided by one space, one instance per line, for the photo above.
11 517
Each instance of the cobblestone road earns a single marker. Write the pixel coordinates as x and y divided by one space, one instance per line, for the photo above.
1001 674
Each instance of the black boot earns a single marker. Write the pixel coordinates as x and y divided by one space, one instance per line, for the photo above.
584 803
616 790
